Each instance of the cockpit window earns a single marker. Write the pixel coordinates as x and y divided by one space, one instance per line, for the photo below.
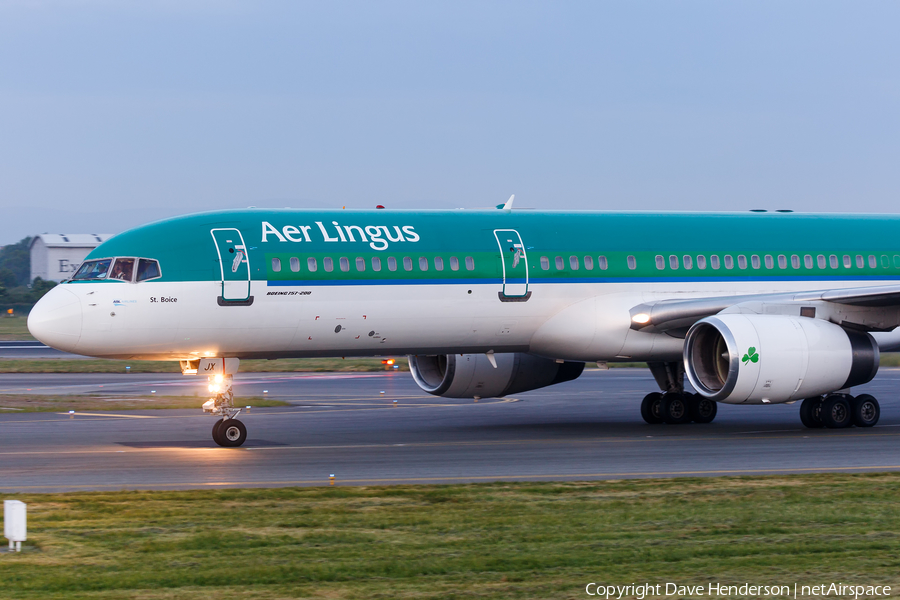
123 269
147 269
93 269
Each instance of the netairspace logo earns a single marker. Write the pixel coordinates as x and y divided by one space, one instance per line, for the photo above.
719 590
378 237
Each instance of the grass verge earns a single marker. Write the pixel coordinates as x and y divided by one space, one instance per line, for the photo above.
14 328
10 403
283 365
497 540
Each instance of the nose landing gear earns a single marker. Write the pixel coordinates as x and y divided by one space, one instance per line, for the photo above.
227 431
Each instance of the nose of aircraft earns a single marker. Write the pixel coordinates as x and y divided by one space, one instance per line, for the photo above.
56 319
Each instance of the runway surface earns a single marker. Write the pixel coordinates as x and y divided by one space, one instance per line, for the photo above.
30 349
343 424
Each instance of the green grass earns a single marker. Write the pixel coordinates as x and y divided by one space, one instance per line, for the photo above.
14 328
498 540
12 403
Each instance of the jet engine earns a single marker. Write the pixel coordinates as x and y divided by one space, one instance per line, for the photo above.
473 375
758 359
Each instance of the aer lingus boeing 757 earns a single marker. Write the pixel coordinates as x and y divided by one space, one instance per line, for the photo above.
755 308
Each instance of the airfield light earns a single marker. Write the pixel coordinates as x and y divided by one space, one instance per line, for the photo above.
641 318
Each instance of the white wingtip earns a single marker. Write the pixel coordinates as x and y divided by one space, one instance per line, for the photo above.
509 202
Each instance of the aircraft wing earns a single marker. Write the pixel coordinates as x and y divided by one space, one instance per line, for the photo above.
874 308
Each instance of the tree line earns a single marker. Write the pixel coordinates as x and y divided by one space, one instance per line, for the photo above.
15 271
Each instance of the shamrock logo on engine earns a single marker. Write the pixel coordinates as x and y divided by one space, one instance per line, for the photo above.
751 356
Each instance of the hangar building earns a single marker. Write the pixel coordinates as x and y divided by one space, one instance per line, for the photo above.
56 256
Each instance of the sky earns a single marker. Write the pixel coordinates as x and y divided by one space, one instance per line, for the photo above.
114 113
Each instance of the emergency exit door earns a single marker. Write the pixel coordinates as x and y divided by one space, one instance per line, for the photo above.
234 265
515 264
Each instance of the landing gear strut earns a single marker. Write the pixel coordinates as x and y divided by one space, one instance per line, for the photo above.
837 411
674 405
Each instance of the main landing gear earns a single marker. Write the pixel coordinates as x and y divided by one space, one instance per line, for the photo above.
837 411
675 406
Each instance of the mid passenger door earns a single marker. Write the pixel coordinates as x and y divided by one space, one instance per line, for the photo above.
515 265
234 265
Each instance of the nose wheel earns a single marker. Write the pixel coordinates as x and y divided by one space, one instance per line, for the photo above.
229 433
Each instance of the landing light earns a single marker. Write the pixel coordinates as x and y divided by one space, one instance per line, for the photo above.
641 318
219 378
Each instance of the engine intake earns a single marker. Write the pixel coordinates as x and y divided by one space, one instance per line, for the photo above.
473 375
739 358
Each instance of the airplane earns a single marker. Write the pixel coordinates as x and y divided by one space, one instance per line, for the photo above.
753 308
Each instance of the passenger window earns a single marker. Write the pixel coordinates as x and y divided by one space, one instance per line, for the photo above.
754 261
423 263
407 263
392 263
147 269
860 262
312 264
833 261
545 263
701 262
632 262
470 263
714 261
673 261
742 261
559 263
795 261
769 262
438 263
276 264
807 261
782 261
573 263
885 263
602 263
660 262
589 263
345 264
896 262
376 263
328 264
123 269
873 262
820 259
454 263
729 261
687 262
295 264
360 264
848 262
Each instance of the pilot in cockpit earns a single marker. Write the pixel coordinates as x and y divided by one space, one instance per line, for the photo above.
123 269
